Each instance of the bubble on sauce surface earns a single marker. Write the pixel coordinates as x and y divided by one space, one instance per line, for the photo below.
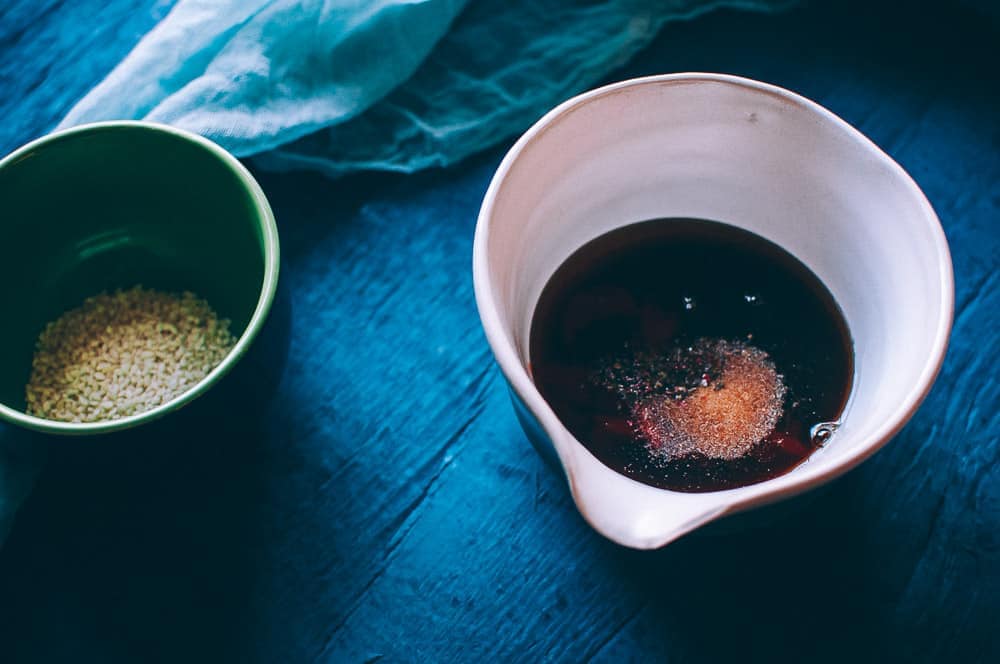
715 398
821 433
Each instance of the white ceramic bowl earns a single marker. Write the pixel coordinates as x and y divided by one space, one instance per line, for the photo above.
752 155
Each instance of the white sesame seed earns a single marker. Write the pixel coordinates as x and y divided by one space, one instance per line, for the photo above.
123 354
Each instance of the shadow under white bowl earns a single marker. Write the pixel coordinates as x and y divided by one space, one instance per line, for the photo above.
749 154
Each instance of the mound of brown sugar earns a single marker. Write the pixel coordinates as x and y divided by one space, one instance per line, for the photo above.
716 398
724 419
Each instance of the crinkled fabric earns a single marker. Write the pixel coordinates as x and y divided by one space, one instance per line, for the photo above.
393 85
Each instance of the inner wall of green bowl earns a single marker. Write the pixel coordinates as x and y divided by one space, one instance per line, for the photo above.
113 208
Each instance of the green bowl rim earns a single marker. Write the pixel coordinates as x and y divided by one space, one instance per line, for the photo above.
268 287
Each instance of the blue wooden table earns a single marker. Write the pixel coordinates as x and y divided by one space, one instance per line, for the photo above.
392 510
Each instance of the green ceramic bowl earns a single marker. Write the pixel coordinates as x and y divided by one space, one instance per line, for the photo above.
115 204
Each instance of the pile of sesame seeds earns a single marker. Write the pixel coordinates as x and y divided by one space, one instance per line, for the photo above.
124 353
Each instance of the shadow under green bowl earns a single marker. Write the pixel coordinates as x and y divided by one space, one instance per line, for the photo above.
118 204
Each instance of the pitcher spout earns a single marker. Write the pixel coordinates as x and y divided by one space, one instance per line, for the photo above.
634 514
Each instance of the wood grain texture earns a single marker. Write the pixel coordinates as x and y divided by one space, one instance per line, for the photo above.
391 509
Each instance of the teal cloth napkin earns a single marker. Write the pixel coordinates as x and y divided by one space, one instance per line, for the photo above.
395 85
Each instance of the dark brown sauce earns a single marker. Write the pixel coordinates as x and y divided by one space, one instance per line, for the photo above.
709 333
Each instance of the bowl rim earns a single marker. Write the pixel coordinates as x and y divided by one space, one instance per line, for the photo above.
762 493
269 285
